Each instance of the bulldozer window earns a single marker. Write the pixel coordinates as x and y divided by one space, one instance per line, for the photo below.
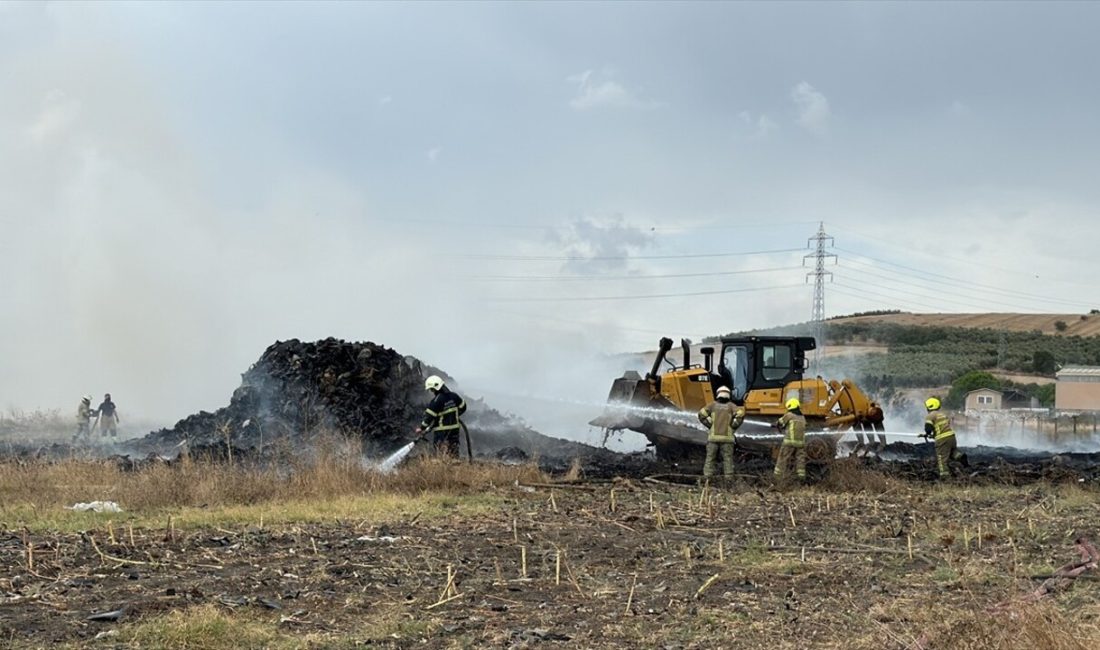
734 370
776 361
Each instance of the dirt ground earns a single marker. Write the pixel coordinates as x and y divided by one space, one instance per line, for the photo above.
862 560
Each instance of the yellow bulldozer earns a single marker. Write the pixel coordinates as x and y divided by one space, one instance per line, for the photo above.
762 372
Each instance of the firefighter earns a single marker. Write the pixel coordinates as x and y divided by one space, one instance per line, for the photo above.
442 416
722 417
793 425
938 427
108 418
84 415
870 421
876 419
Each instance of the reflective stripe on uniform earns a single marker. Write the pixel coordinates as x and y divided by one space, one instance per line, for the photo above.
941 425
443 419
795 427
722 419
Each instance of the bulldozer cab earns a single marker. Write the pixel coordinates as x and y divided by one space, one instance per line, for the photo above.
761 362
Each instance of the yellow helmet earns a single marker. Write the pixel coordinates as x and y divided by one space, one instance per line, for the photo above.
932 404
793 404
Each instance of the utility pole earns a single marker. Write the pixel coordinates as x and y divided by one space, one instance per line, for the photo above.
817 317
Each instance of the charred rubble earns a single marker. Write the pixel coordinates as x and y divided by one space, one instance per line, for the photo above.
367 392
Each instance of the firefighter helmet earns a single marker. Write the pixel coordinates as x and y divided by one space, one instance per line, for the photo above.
932 404
793 404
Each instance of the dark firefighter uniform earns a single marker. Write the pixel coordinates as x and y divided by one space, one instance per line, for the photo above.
938 426
442 417
872 421
723 417
108 417
793 425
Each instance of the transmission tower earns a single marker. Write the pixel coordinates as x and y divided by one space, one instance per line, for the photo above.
819 274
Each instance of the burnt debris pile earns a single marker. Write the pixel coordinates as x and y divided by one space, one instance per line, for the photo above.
299 390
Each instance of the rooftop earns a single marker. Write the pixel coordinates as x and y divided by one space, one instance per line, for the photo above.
1079 370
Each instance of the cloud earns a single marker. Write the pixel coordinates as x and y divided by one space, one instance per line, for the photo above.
813 108
761 126
387 99
601 245
433 154
596 90
959 109
57 114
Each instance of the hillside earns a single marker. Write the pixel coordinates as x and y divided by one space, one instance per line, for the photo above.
894 350
1076 324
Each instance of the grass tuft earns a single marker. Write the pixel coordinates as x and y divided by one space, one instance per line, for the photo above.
1038 625
852 475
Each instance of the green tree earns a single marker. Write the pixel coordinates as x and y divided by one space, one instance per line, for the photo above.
1060 325
1043 362
972 380
1045 395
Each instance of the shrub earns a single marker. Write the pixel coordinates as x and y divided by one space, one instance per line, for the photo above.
1043 362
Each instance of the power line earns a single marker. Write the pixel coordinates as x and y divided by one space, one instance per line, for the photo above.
889 297
956 289
910 251
731 226
592 324
939 297
583 258
518 225
685 294
655 276
965 283
939 257
859 295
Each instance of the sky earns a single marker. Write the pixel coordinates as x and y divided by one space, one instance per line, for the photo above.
505 189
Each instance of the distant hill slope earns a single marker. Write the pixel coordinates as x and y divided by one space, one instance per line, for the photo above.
1046 323
892 350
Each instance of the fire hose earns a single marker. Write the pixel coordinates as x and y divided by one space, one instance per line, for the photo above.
469 447
465 430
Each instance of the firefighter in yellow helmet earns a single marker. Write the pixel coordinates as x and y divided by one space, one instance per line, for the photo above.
722 417
938 427
793 425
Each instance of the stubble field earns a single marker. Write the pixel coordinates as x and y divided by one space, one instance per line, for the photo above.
453 555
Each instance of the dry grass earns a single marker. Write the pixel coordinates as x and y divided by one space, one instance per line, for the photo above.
213 627
851 475
328 486
1039 625
1009 322
30 423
